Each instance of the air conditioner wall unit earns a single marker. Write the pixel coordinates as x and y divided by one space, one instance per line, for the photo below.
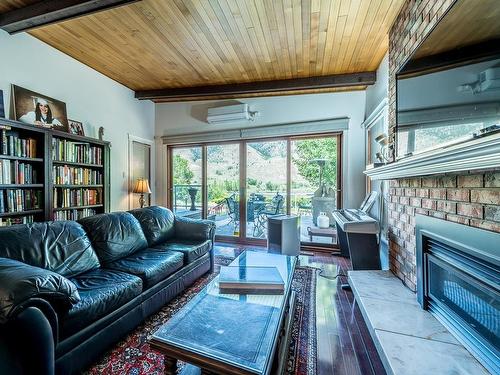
230 114
489 79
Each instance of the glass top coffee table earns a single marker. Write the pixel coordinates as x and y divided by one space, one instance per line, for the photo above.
228 333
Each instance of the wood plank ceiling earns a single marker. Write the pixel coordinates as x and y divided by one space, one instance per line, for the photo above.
158 44
7 5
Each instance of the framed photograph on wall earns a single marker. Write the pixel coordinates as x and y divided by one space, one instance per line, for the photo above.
38 109
2 107
75 127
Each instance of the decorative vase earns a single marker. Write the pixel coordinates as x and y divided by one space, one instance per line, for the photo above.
323 220
192 194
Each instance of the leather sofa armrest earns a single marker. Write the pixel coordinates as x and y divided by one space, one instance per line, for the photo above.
28 341
20 283
194 229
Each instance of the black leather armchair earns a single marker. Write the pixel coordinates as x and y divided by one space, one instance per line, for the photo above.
69 290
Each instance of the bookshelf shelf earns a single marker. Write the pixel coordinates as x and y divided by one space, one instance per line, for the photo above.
67 186
33 160
27 153
21 186
21 213
77 207
86 165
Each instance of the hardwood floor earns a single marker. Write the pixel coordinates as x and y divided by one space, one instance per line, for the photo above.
344 344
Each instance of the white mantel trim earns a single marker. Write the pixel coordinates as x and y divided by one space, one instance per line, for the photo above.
380 110
477 154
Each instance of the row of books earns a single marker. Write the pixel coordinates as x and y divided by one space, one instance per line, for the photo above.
65 175
16 172
76 152
18 200
13 145
64 197
74 214
7 221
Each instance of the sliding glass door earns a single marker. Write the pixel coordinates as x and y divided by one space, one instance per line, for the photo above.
187 187
266 182
223 188
240 184
314 186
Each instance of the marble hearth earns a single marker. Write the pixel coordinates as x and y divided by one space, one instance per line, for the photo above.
409 340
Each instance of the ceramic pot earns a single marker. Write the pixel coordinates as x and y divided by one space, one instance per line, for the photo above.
323 220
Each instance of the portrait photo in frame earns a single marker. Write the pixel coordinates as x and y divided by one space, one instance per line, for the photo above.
37 109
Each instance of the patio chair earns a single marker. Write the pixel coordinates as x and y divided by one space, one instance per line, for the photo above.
274 208
233 209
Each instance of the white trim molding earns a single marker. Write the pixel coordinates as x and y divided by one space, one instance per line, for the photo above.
132 138
477 154
379 111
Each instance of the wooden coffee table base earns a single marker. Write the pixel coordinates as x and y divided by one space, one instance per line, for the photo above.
170 365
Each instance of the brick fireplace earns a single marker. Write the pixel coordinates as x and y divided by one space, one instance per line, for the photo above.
470 199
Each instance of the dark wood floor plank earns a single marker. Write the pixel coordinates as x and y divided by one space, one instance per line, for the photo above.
344 344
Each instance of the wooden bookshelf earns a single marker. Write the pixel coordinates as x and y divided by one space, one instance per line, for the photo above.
81 173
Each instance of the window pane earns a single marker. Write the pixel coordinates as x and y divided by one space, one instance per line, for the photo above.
314 186
223 179
266 184
186 175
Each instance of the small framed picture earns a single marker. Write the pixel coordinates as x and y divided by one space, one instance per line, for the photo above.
75 127
40 110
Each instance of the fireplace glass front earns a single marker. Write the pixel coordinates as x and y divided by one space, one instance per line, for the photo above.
471 301
458 281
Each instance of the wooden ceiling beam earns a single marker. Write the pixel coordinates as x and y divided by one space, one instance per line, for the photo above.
262 87
51 11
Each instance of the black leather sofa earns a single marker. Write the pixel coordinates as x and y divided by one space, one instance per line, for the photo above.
69 290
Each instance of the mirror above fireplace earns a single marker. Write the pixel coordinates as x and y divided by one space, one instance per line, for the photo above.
448 92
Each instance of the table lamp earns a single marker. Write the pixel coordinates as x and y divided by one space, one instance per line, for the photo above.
142 187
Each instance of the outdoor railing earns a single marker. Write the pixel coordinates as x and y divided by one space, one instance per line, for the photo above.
301 201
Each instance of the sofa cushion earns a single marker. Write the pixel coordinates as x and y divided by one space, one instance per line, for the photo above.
101 292
151 265
60 246
19 282
114 235
192 250
157 223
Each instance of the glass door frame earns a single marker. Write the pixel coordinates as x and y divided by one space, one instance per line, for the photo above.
242 238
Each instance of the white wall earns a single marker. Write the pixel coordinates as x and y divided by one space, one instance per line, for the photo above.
380 90
374 96
189 117
90 97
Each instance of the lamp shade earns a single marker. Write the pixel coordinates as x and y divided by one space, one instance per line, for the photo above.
142 186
